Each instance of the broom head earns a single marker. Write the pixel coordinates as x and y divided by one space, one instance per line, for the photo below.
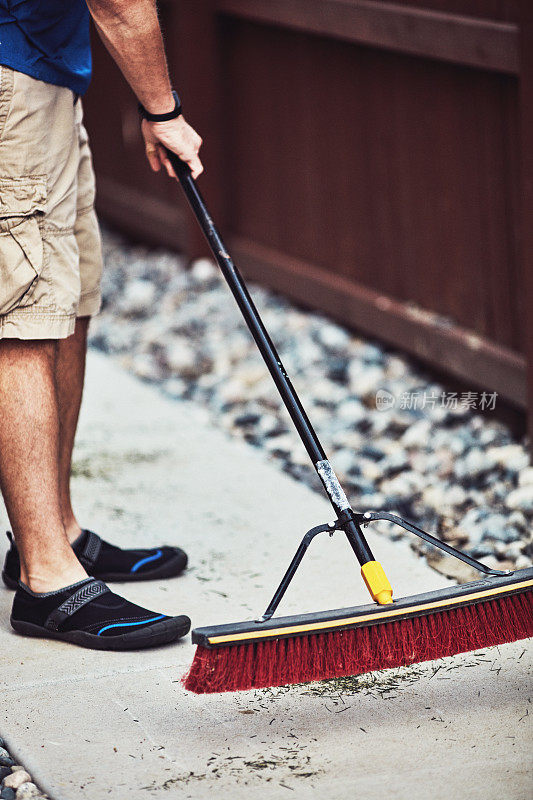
350 641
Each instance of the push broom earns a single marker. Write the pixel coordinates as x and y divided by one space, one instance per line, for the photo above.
386 633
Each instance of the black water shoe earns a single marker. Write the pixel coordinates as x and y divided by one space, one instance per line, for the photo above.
89 614
109 563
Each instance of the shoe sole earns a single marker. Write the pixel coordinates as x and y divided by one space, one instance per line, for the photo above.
171 569
165 632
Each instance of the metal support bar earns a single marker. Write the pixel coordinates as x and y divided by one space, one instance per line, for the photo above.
295 563
372 516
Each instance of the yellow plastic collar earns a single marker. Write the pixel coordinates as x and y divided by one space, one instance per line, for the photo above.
377 582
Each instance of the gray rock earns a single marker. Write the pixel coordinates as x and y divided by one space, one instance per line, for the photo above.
403 485
471 524
482 550
375 502
26 791
512 550
153 334
180 358
373 452
496 563
7 794
521 499
145 366
372 354
333 337
175 387
343 461
267 424
358 485
352 412
308 353
526 477
417 436
442 438
3 772
395 461
512 457
230 392
518 520
365 380
5 758
138 298
435 497
330 392
475 464
17 778
455 495
203 270
283 443
112 336
496 526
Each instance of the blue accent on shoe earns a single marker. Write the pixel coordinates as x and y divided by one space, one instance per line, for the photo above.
146 560
129 624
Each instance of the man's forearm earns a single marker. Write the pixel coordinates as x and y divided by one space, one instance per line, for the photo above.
130 31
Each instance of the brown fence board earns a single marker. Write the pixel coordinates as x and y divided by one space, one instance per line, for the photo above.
457 351
404 164
502 10
370 159
461 39
135 213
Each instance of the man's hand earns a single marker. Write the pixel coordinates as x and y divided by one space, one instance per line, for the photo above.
130 31
178 136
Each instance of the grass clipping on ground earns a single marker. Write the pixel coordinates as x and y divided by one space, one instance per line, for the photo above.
385 684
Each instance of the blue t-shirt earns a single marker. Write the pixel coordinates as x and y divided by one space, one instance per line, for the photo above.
47 39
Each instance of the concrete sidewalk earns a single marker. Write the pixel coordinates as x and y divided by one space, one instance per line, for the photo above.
120 726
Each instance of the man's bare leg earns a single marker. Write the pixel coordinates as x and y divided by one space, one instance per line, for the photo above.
29 458
69 376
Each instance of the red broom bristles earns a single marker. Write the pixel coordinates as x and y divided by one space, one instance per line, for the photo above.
301 659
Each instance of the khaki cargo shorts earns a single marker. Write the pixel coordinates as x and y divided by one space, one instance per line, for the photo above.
50 250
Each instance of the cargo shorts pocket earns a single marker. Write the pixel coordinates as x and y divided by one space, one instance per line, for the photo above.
22 204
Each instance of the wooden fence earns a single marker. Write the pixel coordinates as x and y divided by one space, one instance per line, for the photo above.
373 160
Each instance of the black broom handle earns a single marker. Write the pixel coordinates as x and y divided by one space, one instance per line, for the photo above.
271 358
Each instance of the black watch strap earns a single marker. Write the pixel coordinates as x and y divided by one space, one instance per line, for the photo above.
162 117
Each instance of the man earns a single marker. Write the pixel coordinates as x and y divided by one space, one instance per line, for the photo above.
50 266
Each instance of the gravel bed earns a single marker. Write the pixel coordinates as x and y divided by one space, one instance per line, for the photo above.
398 440
15 781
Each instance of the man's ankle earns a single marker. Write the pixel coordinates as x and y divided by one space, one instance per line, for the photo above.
72 529
42 579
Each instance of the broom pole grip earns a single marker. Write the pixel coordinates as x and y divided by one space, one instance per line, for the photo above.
268 351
